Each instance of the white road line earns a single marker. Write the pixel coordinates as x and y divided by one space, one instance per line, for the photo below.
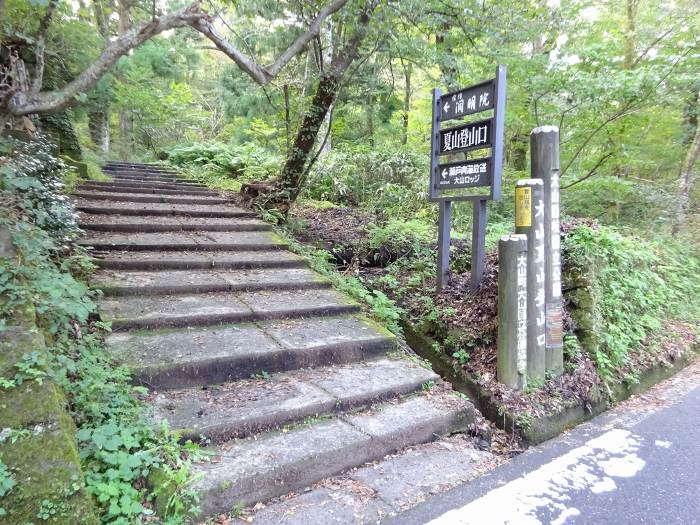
590 467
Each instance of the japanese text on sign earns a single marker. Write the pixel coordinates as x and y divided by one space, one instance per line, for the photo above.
523 207
470 136
464 174
467 101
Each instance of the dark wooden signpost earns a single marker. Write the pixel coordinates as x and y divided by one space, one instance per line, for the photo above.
449 177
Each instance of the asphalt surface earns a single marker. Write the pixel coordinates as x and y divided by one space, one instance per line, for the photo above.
638 464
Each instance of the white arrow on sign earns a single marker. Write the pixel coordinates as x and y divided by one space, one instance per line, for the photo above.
444 173
446 106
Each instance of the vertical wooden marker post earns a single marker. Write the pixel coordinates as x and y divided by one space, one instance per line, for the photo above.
511 358
529 220
544 154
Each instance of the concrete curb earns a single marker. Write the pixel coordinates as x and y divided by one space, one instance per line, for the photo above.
543 428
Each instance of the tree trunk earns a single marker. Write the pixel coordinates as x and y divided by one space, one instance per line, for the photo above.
98 123
630 36
283 191
326 128
126 130
406 100
686 179
98 114
370 118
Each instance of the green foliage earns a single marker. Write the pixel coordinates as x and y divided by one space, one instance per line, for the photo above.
7 482
35 176
381 306
246 162
119 449
637 284
399 239
386 177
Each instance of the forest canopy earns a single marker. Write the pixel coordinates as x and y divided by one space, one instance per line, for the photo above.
299 80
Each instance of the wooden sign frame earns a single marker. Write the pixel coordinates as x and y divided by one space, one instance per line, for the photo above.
493 130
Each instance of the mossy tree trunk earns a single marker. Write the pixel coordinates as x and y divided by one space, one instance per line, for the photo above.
281 192
685 181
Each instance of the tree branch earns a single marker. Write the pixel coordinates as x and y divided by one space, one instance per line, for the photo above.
38 77
25 103
263 75
598 164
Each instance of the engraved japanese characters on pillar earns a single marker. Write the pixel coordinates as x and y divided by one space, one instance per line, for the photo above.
511 358
544 143
529 220
521 289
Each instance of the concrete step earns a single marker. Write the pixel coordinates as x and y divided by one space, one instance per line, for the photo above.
138 179
239 409
119 173
145 197
187 260
252 470
168 223
177 241
165 311
120 188
155 184
125 283
156 208
127 167
181 358
379 490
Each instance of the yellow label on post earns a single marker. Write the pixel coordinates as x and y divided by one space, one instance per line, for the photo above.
523 207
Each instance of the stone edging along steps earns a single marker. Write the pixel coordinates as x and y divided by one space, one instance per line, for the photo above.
241 344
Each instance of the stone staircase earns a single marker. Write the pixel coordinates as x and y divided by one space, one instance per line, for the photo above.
243 346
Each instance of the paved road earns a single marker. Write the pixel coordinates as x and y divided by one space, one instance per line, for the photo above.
638 464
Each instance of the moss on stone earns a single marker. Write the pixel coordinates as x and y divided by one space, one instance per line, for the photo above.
45 463
46 469
583 296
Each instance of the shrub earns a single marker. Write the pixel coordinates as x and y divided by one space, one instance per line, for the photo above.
385 178
630 287
398 239
246 161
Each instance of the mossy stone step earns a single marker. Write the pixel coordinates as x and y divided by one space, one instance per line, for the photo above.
168 223
185 357
241 408
145 197
132 283
156 208
175 241
150 184
121 188
251 470
193 260
215 308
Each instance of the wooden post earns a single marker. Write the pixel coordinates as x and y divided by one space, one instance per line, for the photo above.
443 263
511 358
529 220
478 243
544 154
